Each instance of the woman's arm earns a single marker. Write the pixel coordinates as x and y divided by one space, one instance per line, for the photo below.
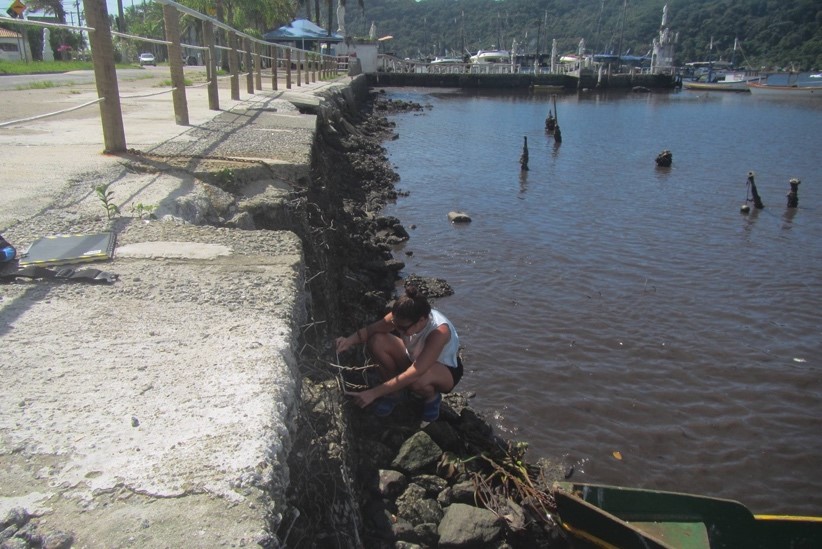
383 325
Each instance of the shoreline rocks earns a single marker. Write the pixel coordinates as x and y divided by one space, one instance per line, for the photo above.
390 482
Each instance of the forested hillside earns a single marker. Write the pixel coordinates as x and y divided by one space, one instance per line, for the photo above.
775 33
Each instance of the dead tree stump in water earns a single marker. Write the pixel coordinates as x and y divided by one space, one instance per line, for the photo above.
523 159
665 159
754 194
793 194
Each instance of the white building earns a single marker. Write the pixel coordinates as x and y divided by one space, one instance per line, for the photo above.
14 46
662 57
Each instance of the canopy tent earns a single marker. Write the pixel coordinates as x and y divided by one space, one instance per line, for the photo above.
303 33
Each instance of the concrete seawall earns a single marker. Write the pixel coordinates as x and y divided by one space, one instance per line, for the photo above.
160 410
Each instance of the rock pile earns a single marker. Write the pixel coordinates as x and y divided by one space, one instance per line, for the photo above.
18 531
450 483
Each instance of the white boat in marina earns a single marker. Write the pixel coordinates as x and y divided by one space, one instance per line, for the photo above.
491 56
788 85
447 61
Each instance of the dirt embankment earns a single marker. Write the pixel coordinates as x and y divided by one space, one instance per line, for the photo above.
350 486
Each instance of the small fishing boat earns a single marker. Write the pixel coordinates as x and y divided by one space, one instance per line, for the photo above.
548 88
628 518
736 81
758 88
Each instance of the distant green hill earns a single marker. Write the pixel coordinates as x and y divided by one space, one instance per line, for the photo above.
773 33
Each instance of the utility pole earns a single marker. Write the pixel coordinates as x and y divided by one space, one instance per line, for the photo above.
105 76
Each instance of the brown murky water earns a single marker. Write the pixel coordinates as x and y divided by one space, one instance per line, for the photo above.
607 305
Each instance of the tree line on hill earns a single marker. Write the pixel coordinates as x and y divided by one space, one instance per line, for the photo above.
783 34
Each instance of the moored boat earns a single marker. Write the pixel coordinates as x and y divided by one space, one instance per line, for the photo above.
548 88
611 516
736 81
491 56
447 61
758 88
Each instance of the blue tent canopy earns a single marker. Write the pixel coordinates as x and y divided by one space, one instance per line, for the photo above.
302 31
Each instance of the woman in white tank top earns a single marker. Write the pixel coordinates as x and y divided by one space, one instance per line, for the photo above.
416 348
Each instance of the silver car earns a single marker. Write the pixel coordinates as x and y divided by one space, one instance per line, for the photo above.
147 59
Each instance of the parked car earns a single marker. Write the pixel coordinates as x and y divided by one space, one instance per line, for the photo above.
147 59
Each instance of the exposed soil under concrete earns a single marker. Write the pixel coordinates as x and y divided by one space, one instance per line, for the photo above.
335 501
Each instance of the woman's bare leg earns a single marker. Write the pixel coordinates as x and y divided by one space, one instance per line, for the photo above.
437 379
389 352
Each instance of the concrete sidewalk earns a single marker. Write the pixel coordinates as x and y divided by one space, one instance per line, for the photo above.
155 411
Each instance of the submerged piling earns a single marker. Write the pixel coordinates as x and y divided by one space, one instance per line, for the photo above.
757 201
523 159
793 194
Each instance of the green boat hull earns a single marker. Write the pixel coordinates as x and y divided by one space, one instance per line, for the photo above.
627 518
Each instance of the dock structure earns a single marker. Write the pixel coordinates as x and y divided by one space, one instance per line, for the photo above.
524 81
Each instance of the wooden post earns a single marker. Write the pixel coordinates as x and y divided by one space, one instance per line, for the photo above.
248 67
258 67
211 66
299 68
105 75
274 63
234 65
175 62
288 68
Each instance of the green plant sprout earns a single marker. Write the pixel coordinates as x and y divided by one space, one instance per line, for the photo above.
105 195
141 210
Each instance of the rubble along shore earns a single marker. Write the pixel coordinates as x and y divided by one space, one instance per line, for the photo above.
389 482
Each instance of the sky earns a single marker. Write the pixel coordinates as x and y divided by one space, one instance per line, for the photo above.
71 7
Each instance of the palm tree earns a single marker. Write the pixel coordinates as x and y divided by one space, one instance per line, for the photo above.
307 5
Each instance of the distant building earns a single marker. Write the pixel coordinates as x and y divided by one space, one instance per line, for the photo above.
662 55
14 46
302 34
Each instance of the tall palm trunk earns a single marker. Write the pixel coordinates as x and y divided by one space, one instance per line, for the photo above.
121 17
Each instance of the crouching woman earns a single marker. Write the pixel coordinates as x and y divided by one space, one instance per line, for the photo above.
416 348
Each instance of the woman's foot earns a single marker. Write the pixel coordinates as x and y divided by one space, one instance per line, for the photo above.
431 409
385 405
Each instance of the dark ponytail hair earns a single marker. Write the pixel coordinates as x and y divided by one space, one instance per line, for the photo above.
411 306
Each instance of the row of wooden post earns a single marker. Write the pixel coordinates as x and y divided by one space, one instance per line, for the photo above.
106 75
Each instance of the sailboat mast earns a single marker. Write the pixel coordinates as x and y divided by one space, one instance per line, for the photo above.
733 55
622 28
499 31
462 33
545 26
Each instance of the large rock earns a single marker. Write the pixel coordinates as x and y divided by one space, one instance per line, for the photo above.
467 526
459 217
417 453
414 507
391 483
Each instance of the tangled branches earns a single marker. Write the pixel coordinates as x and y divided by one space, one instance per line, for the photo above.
508 486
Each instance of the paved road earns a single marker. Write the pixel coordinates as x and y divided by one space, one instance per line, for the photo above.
74 78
